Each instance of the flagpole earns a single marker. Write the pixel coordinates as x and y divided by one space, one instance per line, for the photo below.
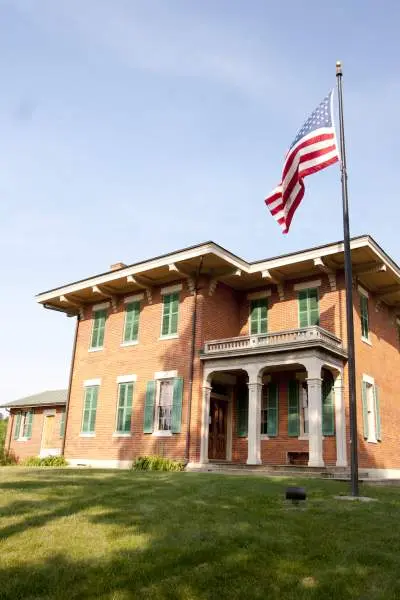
348 272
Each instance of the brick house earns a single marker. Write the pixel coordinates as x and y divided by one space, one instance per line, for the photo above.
202 356
37 424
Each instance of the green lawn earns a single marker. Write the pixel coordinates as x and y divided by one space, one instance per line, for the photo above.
68 534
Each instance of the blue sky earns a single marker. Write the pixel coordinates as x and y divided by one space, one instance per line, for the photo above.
129 129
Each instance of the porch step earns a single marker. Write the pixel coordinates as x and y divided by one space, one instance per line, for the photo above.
338 473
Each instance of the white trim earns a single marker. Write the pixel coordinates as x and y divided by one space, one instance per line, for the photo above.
264 437
100 306
368 379
171 336
165 374
307 285
126 378
99 463
366 340
96 349
135 298
132 343
49 412
170 289
380 473
90 382
87 435
117 434
363 291
161 433
23 439
258 295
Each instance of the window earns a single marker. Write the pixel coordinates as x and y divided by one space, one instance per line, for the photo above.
124 411
258 316
23 425
90 408
364 316
131 329
371 410
308 307
170 314
62 423
163 406
99 323
269 410
328 405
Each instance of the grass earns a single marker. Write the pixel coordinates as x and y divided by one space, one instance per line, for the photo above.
70 534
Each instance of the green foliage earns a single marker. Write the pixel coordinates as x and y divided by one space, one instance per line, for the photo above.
46 461
157 463
6 458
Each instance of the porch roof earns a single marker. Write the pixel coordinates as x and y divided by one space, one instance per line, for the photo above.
373 267
47 398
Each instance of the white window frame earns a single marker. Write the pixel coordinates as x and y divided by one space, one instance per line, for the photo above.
23 412
123 379
171 289
363 292
371 416
161 376
95 308
128 300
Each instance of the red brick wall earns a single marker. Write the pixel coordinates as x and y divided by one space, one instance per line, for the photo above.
31 447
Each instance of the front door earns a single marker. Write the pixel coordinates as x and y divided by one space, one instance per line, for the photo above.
217 429
48 431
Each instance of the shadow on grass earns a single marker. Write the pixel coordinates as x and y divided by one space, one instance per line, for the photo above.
191 536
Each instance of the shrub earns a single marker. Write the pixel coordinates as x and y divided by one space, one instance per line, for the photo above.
6 458
46 461
157 463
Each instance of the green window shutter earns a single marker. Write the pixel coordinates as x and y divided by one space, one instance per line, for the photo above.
293 409
303 308
132 322
242 406
148 418
272 425
28 424
174 313
365 409
99 322
166 314
17 427
177 405
258 316
377 414
90 409
62 423
170 314
364 316
313 306
328 407
124 410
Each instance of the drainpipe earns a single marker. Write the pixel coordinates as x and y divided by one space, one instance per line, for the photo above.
71 371
192 357
10 429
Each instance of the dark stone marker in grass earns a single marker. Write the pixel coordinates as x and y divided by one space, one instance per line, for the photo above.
296 494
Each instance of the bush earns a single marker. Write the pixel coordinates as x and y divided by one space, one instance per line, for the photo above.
6 458
46 461
157 463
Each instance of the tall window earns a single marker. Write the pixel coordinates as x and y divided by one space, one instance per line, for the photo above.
90 409
124 411
364 316
99 323
258 316
164 405
269 410
131 328
23 425
371 411
308 307
170 314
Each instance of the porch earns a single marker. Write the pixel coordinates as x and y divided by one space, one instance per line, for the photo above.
274 399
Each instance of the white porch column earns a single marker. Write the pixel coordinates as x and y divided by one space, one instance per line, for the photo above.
254 423
314 383
205 423
340 423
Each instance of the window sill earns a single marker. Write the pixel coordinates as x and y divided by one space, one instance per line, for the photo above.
366 341
173 336
264 437
121 435
132 343
162 433
23 439
88 435
372 441
96 349
303 437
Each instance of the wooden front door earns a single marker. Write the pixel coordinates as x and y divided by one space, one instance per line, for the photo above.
217 429
48 431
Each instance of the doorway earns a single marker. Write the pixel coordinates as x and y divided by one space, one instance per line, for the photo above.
217 436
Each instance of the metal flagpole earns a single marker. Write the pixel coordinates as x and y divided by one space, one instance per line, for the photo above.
348 271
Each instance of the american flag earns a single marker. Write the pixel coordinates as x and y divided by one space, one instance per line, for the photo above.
313 149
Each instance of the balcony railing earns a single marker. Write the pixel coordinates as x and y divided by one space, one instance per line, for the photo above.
281 340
